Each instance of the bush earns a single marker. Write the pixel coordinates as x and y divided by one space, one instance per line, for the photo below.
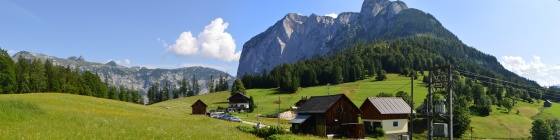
262 132
281 137
245 129
379 132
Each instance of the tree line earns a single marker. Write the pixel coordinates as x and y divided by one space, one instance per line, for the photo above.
35 76
402 56
185 88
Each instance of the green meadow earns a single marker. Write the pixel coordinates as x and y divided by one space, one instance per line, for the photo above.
66 116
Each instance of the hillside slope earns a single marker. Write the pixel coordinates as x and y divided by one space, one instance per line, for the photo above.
498 125
67 116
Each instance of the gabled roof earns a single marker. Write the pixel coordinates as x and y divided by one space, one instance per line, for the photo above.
199 102
320 104
390 105
238 98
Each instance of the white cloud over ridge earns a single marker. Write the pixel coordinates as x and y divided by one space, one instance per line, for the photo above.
544 74
213 42
127 61
333 15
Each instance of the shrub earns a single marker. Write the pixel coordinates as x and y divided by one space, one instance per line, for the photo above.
281 137
379 132
245 129
264 132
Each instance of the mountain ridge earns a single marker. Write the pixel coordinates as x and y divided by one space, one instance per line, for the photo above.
296 37
138 78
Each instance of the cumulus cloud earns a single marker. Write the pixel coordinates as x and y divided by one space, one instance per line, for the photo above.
213 42
127 61
528 68
544 74
333 15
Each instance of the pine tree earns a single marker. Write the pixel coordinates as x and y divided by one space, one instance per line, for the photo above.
211 84
123 93
8 83
237 87
22 75
196 86
252 105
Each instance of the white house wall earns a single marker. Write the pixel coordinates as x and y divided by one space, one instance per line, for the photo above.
388 125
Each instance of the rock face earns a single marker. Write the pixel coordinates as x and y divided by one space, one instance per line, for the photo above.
139 78
296 37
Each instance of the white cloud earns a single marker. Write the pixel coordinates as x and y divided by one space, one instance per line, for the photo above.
333 15
11 52
212 43
543 74
532 68
127 61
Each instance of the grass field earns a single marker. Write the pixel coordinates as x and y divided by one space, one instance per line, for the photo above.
498 125
65 116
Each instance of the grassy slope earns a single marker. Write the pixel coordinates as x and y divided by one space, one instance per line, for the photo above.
498 125
65 116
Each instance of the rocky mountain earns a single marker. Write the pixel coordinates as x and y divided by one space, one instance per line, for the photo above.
296 37
139 78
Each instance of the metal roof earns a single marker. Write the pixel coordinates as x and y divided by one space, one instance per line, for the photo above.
300 119
390 105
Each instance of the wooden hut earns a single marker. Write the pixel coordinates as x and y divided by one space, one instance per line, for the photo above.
389 113
324 115
199 108
547 103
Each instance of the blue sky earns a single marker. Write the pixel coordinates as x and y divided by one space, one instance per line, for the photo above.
523 35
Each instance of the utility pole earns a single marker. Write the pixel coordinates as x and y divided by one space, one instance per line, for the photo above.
441 83
411 128
328 89
429 106
278 110
258 115
450 102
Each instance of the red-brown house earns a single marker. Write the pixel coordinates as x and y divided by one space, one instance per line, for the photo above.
199 108
333 114
389 113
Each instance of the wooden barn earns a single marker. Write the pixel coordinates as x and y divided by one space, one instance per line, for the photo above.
238 102
547 103
326 115
199 108
389 113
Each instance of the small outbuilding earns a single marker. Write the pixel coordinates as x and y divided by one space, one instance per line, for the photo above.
199 108
238 102
328 115
547 103
389 113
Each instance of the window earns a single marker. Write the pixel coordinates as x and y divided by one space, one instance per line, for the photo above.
395 123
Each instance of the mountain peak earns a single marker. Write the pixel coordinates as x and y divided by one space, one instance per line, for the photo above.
81 58
371 8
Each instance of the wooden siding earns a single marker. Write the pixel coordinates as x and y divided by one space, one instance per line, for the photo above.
199 110
341 112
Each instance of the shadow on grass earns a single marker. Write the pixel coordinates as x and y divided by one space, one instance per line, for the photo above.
220 103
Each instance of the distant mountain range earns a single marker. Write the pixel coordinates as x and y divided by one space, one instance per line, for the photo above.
139 78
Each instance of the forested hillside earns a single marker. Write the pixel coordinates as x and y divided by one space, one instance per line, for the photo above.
403 56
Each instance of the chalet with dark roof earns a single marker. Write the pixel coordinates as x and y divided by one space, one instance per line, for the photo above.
199 108
325 115
301 102
238 102
389 113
